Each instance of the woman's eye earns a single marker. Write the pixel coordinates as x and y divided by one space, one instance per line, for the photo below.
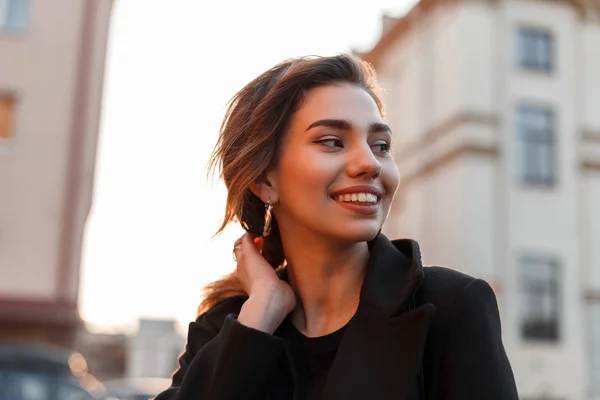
331 142
382 147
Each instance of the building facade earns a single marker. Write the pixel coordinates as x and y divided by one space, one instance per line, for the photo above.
52 56
153 351
495 109
105 353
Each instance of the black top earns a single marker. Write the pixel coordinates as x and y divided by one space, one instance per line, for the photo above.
418 334
312 357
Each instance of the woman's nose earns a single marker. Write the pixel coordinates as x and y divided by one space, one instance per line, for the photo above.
362 161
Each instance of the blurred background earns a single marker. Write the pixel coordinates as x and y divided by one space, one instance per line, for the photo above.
109 111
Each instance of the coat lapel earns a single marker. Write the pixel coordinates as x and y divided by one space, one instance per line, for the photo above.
380 354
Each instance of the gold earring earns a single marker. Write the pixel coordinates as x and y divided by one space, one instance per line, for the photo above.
268 217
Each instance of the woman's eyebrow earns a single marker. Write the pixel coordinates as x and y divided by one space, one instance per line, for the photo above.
379 127
332 123
347 126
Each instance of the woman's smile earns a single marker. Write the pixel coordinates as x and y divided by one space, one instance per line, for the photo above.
360 208
363 200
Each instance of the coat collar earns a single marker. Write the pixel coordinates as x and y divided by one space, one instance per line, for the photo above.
394 273
380 354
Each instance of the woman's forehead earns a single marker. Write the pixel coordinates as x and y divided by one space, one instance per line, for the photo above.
341 101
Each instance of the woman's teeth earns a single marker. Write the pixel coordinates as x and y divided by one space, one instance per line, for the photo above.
357 198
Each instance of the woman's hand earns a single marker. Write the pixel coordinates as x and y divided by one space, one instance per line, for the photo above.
270 299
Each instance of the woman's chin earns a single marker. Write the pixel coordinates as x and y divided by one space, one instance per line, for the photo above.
360 234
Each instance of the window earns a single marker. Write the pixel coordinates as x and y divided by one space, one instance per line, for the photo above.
536 143
6 116
534 49
540 298
13 15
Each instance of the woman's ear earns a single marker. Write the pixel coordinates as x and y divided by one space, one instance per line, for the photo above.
264 188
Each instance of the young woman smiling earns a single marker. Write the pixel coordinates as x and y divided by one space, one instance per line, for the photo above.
322 305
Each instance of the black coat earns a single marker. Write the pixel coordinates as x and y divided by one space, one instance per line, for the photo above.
418 333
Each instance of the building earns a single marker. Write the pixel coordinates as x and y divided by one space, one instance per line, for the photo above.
154 350
105 353
495 107
52 56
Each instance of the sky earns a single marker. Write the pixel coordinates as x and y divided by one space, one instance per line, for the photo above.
171 67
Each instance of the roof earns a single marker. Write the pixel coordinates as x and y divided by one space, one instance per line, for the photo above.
392 32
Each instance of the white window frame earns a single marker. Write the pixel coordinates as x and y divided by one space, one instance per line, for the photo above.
535 48
545 291
537 144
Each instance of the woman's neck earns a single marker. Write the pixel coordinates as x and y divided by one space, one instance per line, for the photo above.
327 279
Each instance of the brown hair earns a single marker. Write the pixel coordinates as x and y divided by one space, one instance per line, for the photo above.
255 121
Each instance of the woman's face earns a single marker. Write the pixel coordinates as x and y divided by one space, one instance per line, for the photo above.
335 175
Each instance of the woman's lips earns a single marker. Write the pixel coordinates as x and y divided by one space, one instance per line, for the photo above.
359 208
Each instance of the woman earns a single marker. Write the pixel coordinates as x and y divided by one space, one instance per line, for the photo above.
322 305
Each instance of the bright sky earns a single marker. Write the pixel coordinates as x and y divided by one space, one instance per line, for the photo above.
171 68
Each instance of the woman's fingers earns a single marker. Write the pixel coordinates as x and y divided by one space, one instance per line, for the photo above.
237 247
247 245
259 279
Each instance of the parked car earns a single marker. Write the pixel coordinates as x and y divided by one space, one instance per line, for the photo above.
36 372
135 388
